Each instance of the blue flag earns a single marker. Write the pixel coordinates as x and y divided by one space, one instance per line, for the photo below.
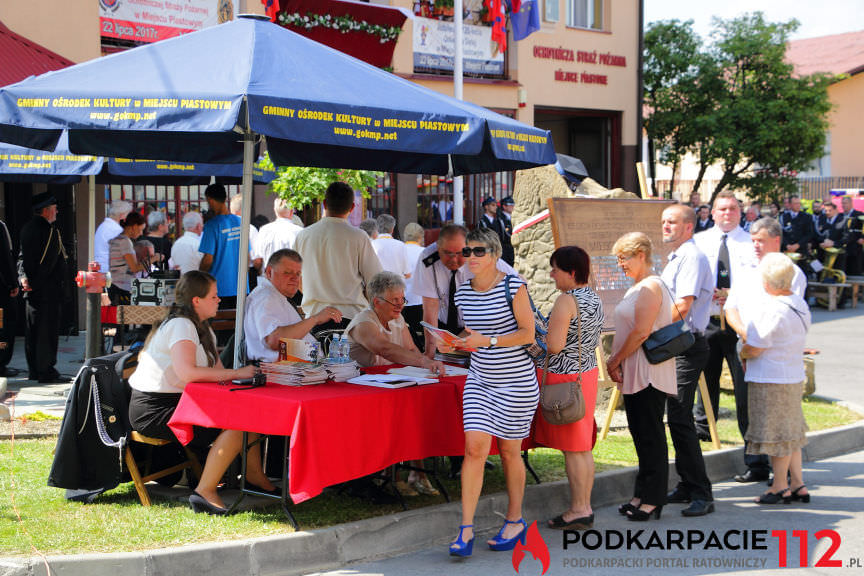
526 20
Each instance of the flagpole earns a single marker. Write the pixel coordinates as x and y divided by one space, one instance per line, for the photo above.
458 217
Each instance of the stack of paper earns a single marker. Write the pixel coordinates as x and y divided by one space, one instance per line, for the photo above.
306 374
341 371
390 380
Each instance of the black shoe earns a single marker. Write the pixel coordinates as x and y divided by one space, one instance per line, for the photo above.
678 496
488 465
584 523
9 372
698 508
751 476
200 504
626 508
639 515
703 436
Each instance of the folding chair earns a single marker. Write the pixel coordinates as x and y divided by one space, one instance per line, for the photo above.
191 462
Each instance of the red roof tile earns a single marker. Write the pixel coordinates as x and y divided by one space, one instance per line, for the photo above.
836 54
20 58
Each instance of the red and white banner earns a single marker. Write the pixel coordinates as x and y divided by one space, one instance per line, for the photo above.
531 221
154 20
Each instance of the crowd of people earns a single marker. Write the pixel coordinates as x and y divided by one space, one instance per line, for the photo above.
742 299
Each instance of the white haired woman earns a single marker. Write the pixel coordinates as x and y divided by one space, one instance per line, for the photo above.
378 336
774 350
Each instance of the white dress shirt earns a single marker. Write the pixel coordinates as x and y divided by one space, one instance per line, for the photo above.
107 230
266 310
748 295
273 237
434 281
741 254
392 254
184 252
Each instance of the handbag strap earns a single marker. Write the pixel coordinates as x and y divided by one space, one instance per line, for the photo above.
672 297
578 345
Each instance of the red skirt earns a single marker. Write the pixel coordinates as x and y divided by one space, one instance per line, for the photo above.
575 437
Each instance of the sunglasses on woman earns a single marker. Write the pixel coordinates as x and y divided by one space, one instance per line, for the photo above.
478 251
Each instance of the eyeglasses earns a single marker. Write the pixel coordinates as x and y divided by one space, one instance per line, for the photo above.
399 302
622 259
449 254
478 251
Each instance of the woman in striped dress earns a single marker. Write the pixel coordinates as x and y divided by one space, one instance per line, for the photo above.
501 390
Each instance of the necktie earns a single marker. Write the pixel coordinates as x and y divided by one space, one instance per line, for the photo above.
452 312
723 278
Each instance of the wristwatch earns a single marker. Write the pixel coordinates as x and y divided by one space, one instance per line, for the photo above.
493 341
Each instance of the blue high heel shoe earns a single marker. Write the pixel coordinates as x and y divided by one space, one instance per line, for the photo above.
504 544
461 548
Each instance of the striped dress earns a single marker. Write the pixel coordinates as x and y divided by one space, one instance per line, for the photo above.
501 391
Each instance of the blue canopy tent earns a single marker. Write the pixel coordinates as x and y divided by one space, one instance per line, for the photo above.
209 95
134 171
60 166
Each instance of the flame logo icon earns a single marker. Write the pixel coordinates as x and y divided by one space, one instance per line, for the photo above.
534 544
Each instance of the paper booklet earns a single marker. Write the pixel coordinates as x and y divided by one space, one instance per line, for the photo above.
424 373
445 336
390 380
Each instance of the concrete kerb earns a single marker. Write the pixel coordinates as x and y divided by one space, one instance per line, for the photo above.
375 538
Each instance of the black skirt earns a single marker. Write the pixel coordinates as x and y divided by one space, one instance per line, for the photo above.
149 413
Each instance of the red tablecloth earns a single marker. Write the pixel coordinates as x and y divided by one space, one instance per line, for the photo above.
338 431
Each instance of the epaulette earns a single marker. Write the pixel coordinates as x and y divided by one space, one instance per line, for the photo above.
431 259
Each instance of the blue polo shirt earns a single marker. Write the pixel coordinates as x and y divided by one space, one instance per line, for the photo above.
221 238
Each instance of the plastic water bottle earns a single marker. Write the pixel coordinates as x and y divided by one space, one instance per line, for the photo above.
334 350
344 349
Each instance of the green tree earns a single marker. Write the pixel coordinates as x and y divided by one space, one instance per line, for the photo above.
303 186
670 79
740 105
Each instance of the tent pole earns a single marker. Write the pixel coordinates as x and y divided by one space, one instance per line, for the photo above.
93 322
246 219
458 201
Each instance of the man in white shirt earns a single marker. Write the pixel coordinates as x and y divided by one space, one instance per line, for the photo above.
688 277
269 314
109 228
276 235
391 252
439 272
184 252
340 260
730 253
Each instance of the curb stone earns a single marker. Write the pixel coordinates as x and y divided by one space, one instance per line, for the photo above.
375 538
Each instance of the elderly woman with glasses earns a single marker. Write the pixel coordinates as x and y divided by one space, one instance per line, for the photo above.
646 307
501 391
379 335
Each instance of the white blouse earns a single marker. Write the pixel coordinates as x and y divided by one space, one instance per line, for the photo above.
155 372
780 329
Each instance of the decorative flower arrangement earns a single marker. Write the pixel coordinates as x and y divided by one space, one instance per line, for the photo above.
341 23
